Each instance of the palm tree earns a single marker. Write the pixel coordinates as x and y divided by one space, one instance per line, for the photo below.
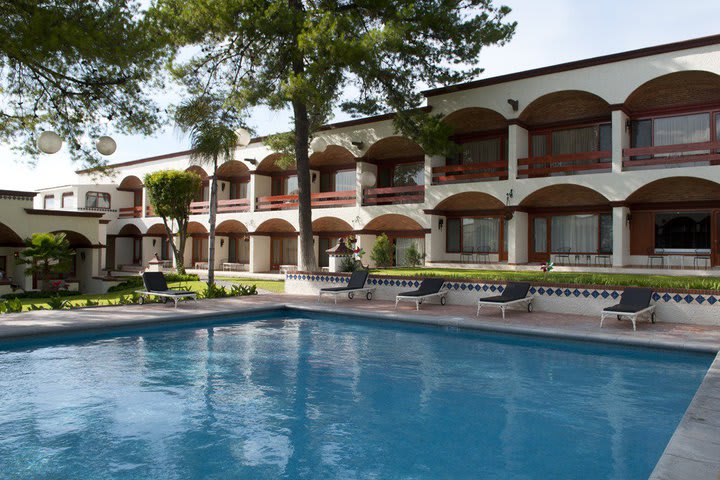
206 120
46 253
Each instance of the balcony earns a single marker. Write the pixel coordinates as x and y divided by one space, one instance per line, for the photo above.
473 172
672 155
198 208
130 212
394 195
566 164
234 205
319 200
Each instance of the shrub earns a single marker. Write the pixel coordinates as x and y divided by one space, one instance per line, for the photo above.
413 257
136 282
91 303
243 290
39 294
212 290
13 305
382 251
350 264
56 303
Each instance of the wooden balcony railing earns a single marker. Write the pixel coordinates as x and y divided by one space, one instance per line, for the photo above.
149 212
234 205
197 208
319 200
568 164
385 196
130 212
668 155
470 172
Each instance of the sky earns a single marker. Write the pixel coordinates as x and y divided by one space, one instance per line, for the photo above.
548 32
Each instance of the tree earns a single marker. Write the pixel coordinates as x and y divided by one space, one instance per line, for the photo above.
75 67
302 55
170 193
45 254
382 251
208 121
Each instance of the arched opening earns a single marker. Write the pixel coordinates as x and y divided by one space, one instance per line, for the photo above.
569 132
569 224
129 241
133 185
475 227
234 245
10 243
481 137
283 243
400 166
159 234
282 182
333 172
81 262
329 230
674 221
675 121
204 192
199 245
8 237
233 180
403 232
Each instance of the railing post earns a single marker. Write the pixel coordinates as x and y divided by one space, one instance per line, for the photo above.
620 138
517 148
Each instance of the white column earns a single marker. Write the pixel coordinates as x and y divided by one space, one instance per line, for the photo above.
361 167
621 237
620 139
366 242
517 148
430 162
518 238
259 253
144 203
435 240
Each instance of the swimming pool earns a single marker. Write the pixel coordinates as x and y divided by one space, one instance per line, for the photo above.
300 395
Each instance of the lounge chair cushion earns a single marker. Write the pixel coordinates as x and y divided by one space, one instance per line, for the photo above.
620 308
177 292
335 289
357 280
636 296
498 299
428 286
516 290
155 282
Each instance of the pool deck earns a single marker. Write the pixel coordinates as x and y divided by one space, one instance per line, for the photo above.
693 451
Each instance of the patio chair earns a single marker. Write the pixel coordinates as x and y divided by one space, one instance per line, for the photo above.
634 302
701 257
655 254
515 293
355 285
429 288
156 286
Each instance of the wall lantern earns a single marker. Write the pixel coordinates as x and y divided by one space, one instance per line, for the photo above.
508 196
441 222
628 125
628 218
358 144
515 104
222 242
82 256
222 186
154 241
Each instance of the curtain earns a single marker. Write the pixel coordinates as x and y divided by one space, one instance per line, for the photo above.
290 250
345 180
682 129
403 244
480 234
539 145
575 140
243 250
481 151
454 232
540 235
574 233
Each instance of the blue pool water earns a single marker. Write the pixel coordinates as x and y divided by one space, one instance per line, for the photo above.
294 396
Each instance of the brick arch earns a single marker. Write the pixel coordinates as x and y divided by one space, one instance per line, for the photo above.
332 156
675 90
475 120
675 190
196 228
275 225
232 169
8 237
129 230
76 239
394 148
564 195
564 106
231 227
331 224
130 183
392 222
198 170
269 164
468 201
156 230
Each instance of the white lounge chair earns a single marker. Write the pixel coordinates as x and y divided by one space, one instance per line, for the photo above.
429 288
355 285
634 302
156 286
515 293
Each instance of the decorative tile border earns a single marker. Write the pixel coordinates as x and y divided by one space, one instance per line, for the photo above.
658 297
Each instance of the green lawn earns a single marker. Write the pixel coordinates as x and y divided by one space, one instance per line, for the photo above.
275 286
610 279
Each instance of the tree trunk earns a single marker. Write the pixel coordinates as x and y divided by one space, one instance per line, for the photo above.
179 260
307 261
213 211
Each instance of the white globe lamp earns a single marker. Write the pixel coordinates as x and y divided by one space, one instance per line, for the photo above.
243 137
318 145
49 142
367 179
106 145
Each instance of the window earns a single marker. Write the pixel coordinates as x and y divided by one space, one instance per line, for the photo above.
409 174
48 202
473 235
682 230
238 190
291 185
345 180
479 151
164 248
3 267
675 130
540 234
595 138
589 233
402 245
200 249
97 200
68 200
284 251
238 250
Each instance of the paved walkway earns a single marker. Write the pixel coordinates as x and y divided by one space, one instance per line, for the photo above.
693 451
